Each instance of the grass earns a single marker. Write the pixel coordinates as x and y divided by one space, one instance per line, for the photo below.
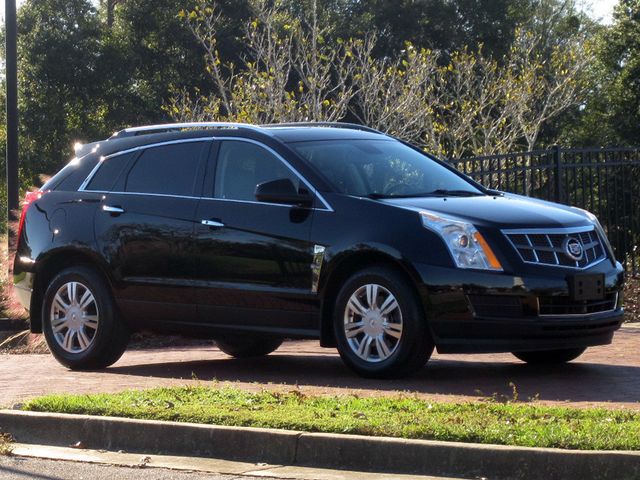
407 417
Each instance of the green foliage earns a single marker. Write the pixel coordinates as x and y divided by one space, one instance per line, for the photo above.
612 113
453 103
81 79
60 74
87 71
508 423
436 24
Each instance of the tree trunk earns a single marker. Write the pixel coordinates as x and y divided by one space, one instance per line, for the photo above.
110 5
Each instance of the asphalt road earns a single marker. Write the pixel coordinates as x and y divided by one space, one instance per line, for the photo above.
607 375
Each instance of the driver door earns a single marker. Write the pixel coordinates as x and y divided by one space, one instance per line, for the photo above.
253 258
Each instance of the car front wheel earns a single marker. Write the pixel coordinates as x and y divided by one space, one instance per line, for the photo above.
379 326
80 320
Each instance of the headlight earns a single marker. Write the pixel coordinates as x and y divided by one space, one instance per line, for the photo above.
467 246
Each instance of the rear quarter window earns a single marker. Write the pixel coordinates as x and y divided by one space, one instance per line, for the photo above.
72 175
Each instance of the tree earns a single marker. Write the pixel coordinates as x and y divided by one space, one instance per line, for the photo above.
109 7
59 77
549 80
289 71
619 55
441 25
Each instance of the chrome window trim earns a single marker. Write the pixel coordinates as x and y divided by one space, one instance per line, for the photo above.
95 169
82 187
554 231
197 198
144 193
255 202
615 307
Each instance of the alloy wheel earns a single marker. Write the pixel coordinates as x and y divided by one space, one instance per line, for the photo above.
373 323
74 317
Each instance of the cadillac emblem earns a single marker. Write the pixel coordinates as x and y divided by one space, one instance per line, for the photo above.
573 249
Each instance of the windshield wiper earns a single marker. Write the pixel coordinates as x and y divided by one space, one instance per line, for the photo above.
455 193
441 192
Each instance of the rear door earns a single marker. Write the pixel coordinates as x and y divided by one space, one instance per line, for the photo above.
145 228
254 259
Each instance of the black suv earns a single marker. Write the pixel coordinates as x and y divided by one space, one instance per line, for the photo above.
249 235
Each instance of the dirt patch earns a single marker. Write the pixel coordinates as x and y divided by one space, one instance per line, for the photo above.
5 443
23 343
26 343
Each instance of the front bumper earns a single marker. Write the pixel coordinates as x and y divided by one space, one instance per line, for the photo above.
475 311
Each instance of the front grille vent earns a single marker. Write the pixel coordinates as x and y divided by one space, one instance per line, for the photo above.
496 305
562 305
565 248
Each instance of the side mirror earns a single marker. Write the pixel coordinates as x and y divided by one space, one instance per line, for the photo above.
282 191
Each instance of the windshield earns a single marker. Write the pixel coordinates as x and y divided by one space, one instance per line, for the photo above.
381 169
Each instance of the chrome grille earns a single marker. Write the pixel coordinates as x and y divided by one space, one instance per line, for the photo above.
552 247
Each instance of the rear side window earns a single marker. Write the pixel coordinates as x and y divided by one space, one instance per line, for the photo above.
108 173
168 169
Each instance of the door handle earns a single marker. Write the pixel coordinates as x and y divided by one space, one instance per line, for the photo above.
110 209
212 223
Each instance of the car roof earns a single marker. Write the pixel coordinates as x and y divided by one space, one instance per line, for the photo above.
286 133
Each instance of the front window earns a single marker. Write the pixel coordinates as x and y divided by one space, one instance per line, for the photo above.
381 169
242 166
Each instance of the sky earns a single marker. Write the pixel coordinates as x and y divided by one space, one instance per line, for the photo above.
598 9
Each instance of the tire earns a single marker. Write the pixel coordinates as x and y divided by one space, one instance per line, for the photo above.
94 336
550 357
248 346
400 338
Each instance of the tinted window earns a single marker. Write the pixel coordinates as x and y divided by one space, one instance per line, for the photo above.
169 169
243 165
73 175
379 167
108 172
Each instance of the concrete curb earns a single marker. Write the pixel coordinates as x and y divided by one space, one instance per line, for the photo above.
349 452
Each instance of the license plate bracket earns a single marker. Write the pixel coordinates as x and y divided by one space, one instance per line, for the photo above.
586 287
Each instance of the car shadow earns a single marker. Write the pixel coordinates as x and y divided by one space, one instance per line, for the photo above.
573 382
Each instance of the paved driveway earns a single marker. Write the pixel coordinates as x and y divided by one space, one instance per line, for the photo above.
608 375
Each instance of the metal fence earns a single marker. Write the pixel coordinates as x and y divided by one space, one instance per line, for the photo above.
605 181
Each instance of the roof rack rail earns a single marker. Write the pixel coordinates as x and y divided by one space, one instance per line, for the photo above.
352 126
167 127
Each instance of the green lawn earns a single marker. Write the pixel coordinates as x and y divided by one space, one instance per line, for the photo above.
485 422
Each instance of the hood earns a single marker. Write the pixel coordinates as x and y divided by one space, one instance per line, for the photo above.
504 211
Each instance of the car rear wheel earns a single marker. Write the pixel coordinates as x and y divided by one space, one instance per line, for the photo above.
550 356
80 320
248 346
378 324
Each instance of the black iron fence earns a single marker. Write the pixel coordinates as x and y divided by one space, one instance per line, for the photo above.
605 181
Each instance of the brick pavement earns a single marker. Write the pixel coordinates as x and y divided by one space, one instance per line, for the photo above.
607 375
